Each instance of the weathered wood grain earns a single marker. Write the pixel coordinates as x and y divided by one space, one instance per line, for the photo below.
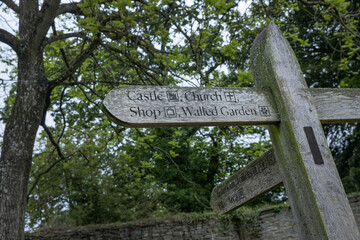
317 198
141 106
259 177
338 105
146 105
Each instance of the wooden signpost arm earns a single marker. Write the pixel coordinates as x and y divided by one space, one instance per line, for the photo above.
317 197
148 106
257 178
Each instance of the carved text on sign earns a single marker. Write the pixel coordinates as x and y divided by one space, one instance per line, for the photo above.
171 106
257 178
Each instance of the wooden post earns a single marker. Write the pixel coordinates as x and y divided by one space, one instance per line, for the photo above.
317 197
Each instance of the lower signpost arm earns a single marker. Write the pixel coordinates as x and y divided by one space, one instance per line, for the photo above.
257 178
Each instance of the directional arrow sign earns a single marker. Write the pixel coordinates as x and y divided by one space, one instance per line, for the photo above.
155 106
140 106
257 178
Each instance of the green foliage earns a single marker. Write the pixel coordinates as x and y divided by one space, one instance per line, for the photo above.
91 185
346 149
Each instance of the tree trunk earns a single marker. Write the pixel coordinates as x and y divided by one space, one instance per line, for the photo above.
19 137
27 113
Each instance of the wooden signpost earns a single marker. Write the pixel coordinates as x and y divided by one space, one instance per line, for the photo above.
301 158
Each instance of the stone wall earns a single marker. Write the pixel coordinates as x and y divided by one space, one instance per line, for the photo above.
270 225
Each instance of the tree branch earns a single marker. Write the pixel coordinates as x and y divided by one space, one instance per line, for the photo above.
52 140
206 206
341 19
12 5
45 172
55 38
9 39
62 113
135 63
311 3
70 8
344 23
85 83
46 18
58 150
77 63
40 174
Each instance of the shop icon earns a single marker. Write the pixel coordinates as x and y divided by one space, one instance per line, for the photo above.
170 112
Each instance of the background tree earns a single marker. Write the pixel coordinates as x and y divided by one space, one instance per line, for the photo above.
33 89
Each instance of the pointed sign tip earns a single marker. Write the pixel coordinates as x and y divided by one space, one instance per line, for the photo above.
271 27
274 28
